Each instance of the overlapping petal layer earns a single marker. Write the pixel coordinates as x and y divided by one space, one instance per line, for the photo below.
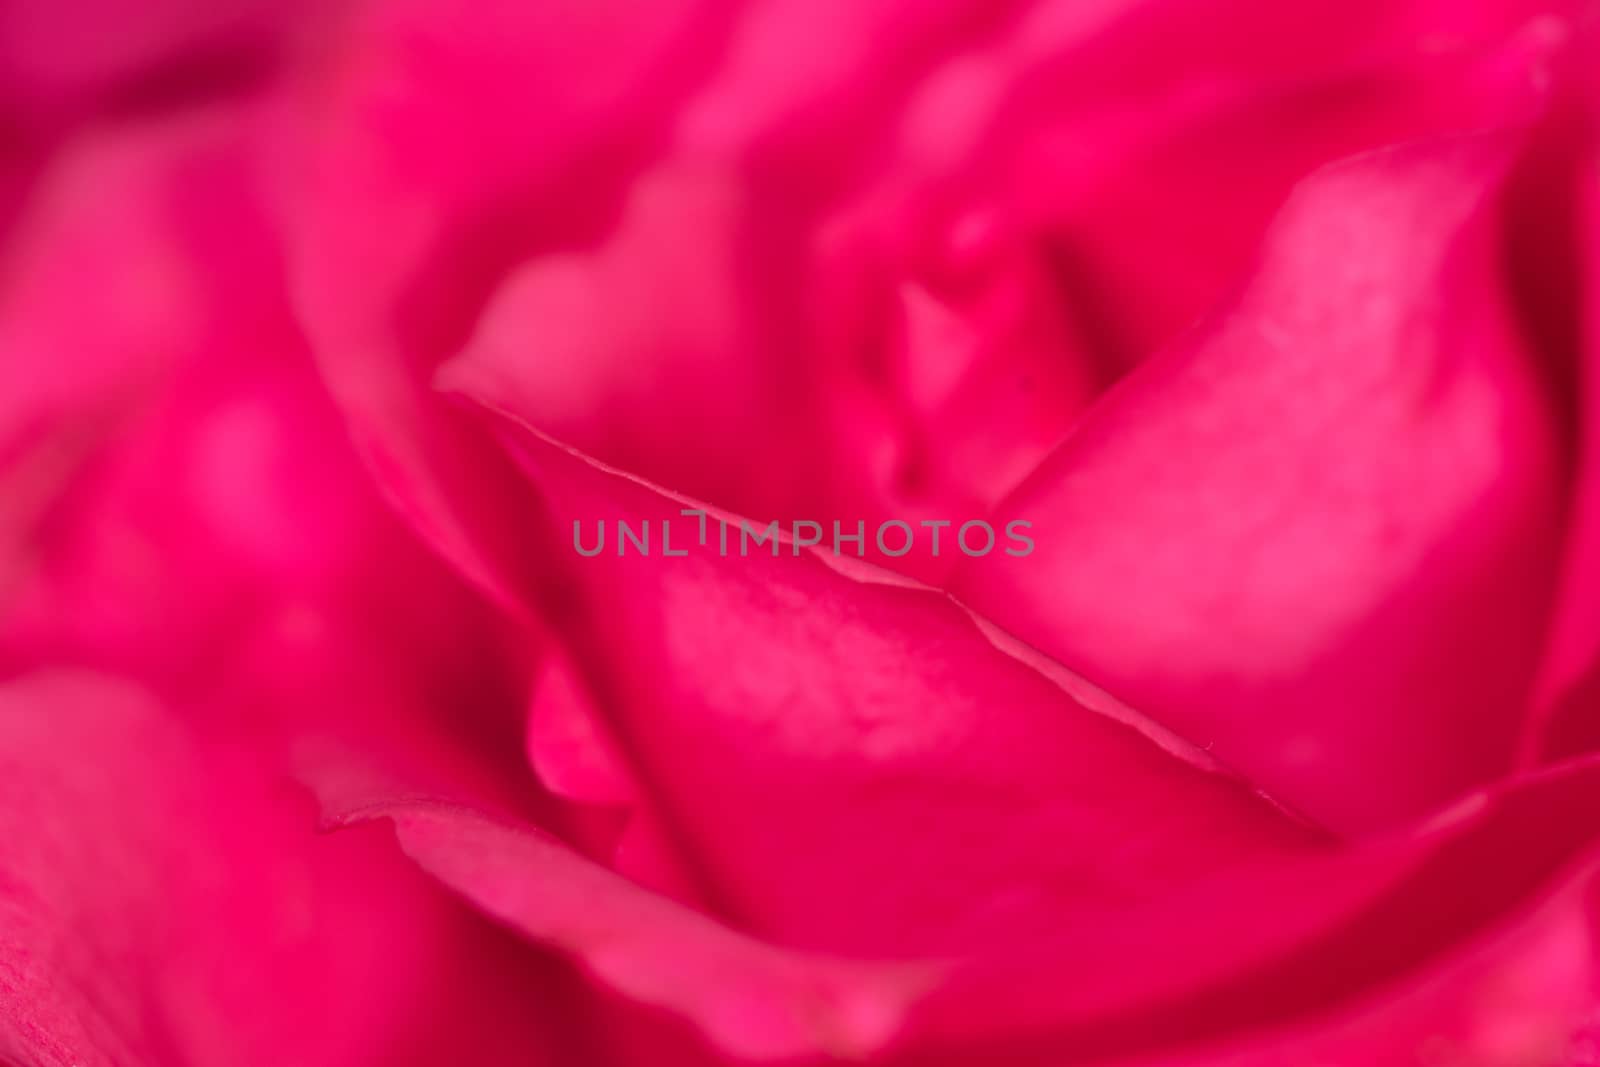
759 296
162 902
1319 536
1473 936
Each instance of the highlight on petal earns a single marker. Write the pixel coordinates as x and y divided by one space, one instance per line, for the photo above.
568 745
170 458
855 765
752 999
151 218
1317 536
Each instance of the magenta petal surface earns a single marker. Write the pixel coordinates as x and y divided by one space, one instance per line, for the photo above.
331 334
1317 536
848 761
892 250
161 902
1473 933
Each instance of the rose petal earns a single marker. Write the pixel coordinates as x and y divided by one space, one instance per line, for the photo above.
810 189
373 227
836 756
170 458
1562 205
912 344
181 501
57 60
161 902
1474 935
754 1000
1480 918
1317 536
150 218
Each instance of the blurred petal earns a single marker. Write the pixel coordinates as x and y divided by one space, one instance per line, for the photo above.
396 214
1317 537
1473 935
1476 931
1562 219
754 1000
162 903
182 506
181 502
58 60
148 218
900 300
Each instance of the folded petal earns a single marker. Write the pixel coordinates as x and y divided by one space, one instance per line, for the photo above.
1561 212
1473 936
389 256
59 61
754 1000
1317 536
162 901
1476 930
892 250
853 763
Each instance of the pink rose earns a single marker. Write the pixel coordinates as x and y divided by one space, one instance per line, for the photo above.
808 531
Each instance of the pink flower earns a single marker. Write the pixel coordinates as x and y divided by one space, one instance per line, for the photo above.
1167 434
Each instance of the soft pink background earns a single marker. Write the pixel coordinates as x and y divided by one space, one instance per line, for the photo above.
321 324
